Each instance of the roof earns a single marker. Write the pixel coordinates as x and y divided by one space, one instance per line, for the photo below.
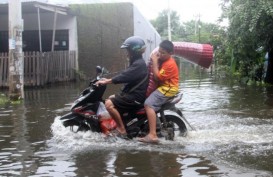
31 7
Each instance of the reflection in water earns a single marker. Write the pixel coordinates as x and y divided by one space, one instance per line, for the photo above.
24 129
110 163
143 163
196 166
15 146
233 137
269 96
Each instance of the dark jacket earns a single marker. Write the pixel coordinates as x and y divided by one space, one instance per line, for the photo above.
130 77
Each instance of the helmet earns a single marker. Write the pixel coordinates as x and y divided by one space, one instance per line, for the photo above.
135 45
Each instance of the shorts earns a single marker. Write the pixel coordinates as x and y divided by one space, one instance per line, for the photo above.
156 100
125 103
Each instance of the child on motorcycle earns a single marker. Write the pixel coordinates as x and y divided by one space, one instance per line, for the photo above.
166 74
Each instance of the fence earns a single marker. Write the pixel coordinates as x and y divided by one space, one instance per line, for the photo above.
42 68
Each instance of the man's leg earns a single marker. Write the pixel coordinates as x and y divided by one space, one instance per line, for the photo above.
115 115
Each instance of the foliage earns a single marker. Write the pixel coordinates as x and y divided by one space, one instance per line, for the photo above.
251 21
241 46
187 31
250 34
161 24
3 99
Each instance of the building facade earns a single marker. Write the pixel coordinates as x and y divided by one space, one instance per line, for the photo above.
94 31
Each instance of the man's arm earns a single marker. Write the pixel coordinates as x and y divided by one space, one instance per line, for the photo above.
103 81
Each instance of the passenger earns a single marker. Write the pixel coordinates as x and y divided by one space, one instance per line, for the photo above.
166 74
135 80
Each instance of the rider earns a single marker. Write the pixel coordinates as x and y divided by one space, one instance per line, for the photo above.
166 74
135 82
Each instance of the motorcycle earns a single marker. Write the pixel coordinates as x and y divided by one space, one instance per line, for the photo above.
84 115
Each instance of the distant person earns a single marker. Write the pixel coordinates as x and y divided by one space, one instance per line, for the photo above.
135 80
166 74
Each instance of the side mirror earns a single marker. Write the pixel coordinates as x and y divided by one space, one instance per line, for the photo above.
98 70
101 71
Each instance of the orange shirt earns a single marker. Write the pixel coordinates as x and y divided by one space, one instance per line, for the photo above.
168 76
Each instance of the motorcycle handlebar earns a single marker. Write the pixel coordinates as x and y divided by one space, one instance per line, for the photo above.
100 76
93 82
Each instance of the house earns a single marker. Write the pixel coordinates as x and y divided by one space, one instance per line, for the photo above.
92 32
45 19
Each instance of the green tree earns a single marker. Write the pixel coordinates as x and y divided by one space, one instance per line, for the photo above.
161 24
187 31
209 33
250 35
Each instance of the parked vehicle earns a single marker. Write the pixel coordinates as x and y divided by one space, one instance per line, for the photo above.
86 115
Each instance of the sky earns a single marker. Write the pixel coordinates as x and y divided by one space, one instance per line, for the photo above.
187 10
209 10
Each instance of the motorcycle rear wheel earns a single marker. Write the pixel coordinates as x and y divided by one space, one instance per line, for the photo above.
175 127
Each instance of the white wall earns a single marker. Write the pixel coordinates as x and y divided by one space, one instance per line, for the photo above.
144 29
73 38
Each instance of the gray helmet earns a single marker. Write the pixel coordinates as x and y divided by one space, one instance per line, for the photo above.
135 45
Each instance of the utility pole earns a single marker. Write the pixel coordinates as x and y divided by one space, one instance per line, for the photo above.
169 22
197 21
16 62
199 28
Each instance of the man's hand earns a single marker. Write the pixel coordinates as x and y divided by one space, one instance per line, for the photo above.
155 57
103 81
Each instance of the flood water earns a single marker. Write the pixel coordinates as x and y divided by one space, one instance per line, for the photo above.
233 136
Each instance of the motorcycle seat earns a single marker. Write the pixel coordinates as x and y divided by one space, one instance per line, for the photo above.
141 111
167 105
172 101
175 99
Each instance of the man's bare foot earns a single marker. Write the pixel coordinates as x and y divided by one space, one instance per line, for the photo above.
149 139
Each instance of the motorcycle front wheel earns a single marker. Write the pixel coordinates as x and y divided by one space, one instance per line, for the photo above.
70 119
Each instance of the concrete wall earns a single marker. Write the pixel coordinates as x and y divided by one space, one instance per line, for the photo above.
102 28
